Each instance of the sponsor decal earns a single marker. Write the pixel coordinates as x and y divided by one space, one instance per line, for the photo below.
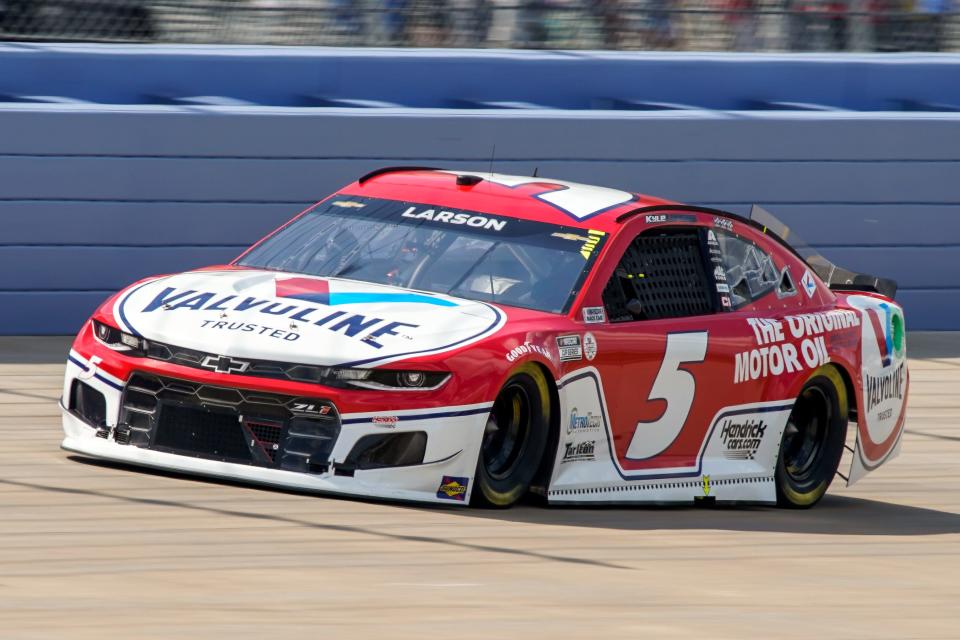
348 204
385 421
887 327
579 452
526 348
451 217
589 346
725 301
705 483
723 288
570 236
250 327
239 312
808 284
591 243
723 223
583 423
570 348
741 438
594 315
711 238
225 364
655 219
883 382
719 274
888 332
310 408
453 488
887 386
794 344
350 324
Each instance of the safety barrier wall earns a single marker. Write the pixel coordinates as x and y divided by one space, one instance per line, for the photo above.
94 196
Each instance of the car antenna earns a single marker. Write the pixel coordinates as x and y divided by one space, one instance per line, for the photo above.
493 153
535 169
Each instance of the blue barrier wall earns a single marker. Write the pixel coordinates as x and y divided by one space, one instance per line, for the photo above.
118 162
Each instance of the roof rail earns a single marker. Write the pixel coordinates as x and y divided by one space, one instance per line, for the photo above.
383 170
714 212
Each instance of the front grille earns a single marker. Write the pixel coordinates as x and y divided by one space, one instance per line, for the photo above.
233 425
212 434
275 369
268 437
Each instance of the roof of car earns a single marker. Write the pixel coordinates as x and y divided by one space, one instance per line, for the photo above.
526 197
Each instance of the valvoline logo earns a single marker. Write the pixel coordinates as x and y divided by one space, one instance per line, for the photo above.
318 291
888 331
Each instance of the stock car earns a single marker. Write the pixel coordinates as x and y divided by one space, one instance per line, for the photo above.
463 337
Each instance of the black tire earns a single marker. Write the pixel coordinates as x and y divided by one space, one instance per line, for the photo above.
514 440
812 441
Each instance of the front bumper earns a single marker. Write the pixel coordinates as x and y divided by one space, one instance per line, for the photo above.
453 437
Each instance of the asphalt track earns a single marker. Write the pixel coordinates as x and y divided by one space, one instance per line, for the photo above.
90 550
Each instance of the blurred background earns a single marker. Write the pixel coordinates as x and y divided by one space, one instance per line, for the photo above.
141 137
659 25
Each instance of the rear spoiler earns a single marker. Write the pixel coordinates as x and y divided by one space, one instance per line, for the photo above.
840 279
837 278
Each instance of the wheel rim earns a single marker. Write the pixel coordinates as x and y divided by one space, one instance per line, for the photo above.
805 436
507 432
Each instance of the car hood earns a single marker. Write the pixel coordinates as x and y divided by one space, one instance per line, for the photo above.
295 318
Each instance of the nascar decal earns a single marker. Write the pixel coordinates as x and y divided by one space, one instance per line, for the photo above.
884 382
325 321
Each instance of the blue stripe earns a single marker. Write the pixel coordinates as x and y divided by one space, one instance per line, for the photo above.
99 377
109 383
423 416
123 315
372 297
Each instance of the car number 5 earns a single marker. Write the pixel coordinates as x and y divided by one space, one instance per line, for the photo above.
675 385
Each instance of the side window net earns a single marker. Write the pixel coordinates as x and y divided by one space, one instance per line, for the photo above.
660 276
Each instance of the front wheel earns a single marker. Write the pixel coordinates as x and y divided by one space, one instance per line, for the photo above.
812 440
514 439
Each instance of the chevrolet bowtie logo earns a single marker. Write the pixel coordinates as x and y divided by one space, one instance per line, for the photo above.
225 364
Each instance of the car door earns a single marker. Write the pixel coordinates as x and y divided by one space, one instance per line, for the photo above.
666 353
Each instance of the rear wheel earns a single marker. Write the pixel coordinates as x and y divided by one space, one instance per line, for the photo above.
812 441
514 439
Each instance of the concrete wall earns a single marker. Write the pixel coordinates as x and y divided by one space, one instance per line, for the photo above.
96 194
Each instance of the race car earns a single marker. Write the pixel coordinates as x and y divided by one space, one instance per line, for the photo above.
473 338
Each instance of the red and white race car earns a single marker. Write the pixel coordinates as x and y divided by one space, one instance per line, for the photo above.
463 337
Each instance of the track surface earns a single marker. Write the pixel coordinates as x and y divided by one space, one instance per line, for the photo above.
97 551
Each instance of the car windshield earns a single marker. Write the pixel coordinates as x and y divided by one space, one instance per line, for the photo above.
429 248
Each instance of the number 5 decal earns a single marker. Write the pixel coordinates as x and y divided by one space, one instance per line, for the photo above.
579 201
675 385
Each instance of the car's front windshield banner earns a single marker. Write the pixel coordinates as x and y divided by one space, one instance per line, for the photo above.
472 255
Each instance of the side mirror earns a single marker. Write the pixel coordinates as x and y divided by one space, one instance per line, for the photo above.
635 308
